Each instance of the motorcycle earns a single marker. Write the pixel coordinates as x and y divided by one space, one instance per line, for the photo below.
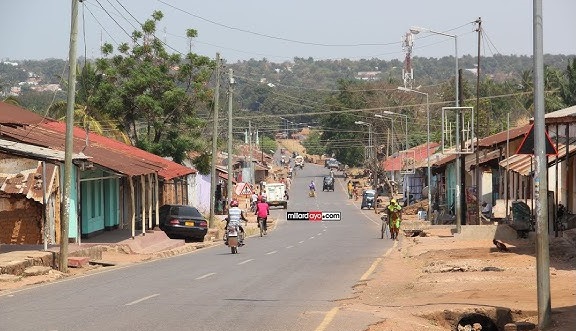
233 238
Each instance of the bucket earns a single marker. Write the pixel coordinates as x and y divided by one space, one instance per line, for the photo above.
422 215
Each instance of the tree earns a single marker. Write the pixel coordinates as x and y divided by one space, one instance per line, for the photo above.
154 94
313 144
568 90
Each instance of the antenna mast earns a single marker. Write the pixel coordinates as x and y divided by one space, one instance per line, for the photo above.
407 71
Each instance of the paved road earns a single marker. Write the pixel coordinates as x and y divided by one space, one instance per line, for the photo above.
288 280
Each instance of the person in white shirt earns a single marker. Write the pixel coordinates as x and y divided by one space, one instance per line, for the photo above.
487 209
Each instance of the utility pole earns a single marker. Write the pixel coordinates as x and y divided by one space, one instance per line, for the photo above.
541 176
69 144
214 176
460 171
250 151
230 92
477 152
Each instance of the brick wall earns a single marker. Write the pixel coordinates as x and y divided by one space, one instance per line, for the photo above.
20 221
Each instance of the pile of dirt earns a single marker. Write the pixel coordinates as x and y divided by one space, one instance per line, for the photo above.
415 208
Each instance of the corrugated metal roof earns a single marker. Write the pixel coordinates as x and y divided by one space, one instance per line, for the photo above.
525 164
566 115
120 157
419 152
28 182
501 137
36 152
106 152
10 114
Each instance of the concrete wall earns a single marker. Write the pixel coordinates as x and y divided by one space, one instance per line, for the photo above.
20 221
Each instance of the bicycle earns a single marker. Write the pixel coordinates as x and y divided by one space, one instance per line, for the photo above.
385 228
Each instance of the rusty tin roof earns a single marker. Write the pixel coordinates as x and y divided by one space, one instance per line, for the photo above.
106 152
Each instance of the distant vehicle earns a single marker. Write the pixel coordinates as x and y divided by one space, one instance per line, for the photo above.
299 161
328 183
275 194
333 164
327 162
182 221
368 199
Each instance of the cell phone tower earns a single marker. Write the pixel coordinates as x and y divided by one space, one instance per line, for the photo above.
407 71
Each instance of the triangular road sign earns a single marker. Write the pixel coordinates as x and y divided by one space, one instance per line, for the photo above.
244 188
527 145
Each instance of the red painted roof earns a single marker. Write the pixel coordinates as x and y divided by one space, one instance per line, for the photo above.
419 152
123 158
106 152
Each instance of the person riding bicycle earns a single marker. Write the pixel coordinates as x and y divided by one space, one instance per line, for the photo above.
395 218
235 217
312 188
262 212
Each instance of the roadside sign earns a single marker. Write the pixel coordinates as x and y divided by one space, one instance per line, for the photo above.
244 189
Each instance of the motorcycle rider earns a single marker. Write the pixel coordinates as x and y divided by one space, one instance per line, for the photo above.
235 216
312 187
262 211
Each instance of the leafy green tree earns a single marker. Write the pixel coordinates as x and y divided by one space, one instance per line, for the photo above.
568 91
268 144
313 144
154 94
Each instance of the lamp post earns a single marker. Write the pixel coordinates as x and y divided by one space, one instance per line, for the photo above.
387 112
370 154
370 150
429 173
416 30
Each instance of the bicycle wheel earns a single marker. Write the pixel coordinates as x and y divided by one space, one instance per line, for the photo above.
382 229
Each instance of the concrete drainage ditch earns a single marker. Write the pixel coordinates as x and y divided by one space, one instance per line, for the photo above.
476 322
483 318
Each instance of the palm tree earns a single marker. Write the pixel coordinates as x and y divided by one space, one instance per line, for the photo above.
82 117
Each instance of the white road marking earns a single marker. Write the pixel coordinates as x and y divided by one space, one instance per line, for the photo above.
239 263
319 234
140 300
311 237
301 241
273 252
206 275
289 246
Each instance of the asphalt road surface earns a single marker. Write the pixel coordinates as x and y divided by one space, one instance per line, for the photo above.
290 279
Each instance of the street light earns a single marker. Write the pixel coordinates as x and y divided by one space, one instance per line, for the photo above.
416 30
370 154
370 149
427 144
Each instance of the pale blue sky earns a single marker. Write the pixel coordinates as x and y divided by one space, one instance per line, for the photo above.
282 30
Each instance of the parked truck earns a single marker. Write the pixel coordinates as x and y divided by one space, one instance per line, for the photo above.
276 194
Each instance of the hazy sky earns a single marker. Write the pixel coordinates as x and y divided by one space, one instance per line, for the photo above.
282 30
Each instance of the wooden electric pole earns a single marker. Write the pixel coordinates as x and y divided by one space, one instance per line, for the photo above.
69 144
229 164
214 175
477 129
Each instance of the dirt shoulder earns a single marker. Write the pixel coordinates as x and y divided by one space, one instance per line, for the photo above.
432 282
